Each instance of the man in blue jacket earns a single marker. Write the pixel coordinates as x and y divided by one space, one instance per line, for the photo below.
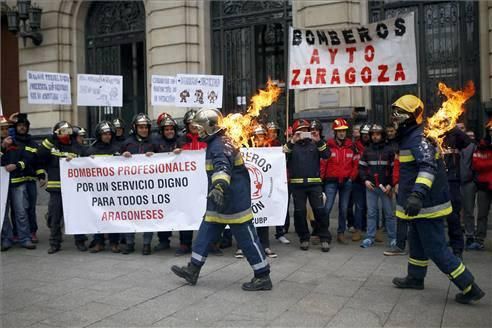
228 203
424 200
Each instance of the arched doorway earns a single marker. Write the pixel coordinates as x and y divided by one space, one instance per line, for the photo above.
115 45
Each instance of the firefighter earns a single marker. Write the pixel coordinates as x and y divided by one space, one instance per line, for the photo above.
304 152
166 141
423 199
119 128
455 141
60 145
228 203
358 186
376 170
139 142
338 172
79 134
102 147
272 134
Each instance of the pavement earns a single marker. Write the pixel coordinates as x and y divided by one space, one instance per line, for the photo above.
347 287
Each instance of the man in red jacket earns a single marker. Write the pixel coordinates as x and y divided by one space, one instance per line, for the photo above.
482 165
338 173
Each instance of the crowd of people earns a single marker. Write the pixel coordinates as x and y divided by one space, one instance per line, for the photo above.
362 169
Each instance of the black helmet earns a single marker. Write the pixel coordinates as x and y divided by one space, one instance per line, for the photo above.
118 123
364 129
189 115
315 124
104 127
376 128
78 131
63 128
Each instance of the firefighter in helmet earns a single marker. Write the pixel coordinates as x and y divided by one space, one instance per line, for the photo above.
424 200
119 131
229 203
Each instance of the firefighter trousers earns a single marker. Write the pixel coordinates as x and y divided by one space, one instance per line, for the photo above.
426 239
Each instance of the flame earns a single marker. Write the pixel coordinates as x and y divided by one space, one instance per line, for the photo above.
447 116
240 127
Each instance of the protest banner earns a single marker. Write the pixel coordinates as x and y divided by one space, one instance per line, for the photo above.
163 90
48 88
268 173
4 189
163 192
99 90
382 53
199 90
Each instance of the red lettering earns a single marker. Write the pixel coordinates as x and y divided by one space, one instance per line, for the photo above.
366 74
295 75
333 53
335 77
400 73
369 53
320 76
314 57
350 75
351 51
70 173
308 77
383 69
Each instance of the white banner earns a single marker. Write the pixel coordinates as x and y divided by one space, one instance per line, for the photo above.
382 53
48 88
4 189
268 173
199 90
99 90
163 192
163 90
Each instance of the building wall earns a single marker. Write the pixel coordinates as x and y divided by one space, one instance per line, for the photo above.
330 14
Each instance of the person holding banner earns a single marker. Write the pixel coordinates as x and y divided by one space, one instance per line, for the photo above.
104 146
167 141
304 152
138 143
60 145
229 203
119 126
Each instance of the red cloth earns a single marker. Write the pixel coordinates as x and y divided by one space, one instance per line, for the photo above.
482 165
396 171
193 142
343 162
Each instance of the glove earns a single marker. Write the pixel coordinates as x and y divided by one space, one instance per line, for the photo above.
216 195
414 204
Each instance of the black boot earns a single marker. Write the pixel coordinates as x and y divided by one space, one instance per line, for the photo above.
81 246
190 273
473 295
409 282
263 283
127 249
146 249
53 249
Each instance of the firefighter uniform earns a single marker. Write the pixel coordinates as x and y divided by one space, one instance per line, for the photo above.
50 152
424 199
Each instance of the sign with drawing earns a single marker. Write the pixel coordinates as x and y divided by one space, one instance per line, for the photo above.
199 90
99 90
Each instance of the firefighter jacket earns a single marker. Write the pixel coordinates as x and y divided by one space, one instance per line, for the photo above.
359 147
191 141
224 164
101 149
303 161
23 153
342 163
119 141
136 145
164 145
376 164
482 165
466 168
422 171
454 142
50 152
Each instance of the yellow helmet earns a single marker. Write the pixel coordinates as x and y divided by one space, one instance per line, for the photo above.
413 105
